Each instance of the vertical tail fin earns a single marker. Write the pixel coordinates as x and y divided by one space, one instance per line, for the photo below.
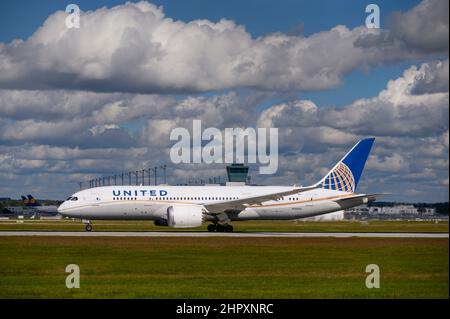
32 201
24 200
346 173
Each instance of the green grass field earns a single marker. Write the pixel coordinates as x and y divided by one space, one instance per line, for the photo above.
252 226
217 267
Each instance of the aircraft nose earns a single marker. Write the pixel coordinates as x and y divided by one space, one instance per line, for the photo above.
60 208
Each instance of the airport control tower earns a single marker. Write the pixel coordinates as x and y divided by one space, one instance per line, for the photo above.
237 173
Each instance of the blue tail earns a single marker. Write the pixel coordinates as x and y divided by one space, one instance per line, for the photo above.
32 201
24 200
345 175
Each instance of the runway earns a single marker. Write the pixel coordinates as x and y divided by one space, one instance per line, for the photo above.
208 234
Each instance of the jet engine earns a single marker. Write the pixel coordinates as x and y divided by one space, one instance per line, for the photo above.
185 216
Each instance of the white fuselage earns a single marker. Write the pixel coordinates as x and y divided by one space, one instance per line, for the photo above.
152 202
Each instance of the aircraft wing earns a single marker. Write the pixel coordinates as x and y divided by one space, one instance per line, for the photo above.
242 203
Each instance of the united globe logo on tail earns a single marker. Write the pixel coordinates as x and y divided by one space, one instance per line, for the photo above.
340 179
345 175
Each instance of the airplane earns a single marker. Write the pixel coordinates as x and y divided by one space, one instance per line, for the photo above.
31 208
30 202
24 200
191 206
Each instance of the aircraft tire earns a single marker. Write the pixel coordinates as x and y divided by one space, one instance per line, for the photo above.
229 228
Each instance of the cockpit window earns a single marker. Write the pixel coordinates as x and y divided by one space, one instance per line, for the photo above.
74 198
69 198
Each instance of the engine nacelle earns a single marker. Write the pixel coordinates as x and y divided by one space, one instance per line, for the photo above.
185 216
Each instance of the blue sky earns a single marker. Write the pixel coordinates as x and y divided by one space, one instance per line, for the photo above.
21 18
102 99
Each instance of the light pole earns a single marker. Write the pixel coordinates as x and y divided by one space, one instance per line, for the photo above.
143 176
149 175
164 173
136 176
156 177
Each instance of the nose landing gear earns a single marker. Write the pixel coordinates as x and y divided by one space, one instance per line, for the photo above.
88 226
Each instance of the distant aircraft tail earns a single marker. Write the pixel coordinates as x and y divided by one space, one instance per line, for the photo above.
346 173
32 201
24 200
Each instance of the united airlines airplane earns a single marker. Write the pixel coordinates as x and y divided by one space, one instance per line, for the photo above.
191 206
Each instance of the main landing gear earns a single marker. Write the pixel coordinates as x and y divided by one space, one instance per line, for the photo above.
220 228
